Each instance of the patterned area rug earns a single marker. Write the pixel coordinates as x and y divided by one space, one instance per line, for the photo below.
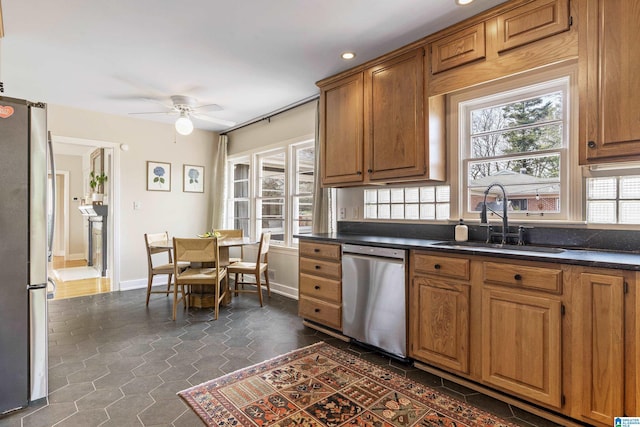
321 385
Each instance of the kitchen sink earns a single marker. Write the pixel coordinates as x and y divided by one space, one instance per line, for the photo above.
500 247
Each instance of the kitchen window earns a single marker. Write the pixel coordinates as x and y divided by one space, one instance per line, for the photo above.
518 138
613 199
272 190
408 203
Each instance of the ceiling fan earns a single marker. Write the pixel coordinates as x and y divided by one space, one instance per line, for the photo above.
186 107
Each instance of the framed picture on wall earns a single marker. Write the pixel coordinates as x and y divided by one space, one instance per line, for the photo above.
158 176
193 179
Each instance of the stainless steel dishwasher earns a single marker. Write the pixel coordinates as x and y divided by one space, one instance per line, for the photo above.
374 304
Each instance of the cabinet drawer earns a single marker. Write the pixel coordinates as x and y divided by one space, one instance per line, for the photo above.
442 266
459 48
320 311
322 250
329 290
320 267
522 276
532 22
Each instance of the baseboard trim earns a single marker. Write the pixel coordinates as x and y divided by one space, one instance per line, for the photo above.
558 419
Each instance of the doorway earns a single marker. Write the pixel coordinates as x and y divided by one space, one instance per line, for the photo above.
73 266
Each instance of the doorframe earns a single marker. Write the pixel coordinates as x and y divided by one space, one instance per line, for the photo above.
65 210
113 219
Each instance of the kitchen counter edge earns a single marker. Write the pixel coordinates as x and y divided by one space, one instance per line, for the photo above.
583 257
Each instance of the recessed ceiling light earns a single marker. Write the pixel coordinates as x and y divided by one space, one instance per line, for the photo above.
348 55
463 2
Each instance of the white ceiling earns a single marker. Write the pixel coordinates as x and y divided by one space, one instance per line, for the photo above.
251 57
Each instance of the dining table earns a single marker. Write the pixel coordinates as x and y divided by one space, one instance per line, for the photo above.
201 296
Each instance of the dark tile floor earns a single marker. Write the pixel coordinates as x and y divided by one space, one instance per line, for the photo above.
115 362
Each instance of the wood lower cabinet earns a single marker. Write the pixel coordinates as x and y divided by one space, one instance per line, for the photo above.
522 344
439 307
561 337
609 81
600 336
320 283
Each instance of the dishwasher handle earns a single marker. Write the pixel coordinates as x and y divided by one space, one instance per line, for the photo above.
374 251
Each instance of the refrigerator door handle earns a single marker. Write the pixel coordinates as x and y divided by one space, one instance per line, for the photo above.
52 219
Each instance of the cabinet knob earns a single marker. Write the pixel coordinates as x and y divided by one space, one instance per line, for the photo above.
370 170
437 266
316 287
317 310
316 250
517 277
591 144
317 267
359 172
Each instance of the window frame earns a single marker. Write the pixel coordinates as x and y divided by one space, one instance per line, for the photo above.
253 158
520 87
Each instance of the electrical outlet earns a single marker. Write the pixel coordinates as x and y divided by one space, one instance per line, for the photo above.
343 213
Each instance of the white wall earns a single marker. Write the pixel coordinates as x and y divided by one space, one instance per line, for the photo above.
292 124
181 214
73 165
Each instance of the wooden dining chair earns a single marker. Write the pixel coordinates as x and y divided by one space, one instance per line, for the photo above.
234 234
261 266
155 267
206 253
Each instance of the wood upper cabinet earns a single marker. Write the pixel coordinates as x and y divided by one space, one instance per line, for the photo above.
341 131
459 48
394 118
373 125
609 81
531 22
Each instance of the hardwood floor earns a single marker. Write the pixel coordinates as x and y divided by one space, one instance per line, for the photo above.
78 288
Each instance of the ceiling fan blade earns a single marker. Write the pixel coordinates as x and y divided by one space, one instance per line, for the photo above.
208 107
155 112
214 120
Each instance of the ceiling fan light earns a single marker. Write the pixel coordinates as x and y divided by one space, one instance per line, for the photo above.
184 126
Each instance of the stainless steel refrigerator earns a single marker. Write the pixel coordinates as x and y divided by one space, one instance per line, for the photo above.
23 253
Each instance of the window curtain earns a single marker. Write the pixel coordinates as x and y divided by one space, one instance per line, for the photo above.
321 196
219 185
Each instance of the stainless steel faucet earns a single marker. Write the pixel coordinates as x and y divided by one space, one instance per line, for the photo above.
505 221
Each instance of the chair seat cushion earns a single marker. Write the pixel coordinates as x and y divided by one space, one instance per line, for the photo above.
168 268
234 260
200 276
245 267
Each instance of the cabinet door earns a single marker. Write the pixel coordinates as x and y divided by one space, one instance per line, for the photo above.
600 301
439 328
610 59
394 118
341 131
531 22
459 48
521 344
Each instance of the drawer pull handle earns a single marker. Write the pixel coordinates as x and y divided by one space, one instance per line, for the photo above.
517 277
437 266
317 310
317 267
316 287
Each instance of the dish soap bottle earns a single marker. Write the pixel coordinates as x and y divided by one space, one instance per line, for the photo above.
462 232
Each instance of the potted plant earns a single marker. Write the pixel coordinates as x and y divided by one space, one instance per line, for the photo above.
96 182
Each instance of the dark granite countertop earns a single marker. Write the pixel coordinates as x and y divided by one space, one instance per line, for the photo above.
586 257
